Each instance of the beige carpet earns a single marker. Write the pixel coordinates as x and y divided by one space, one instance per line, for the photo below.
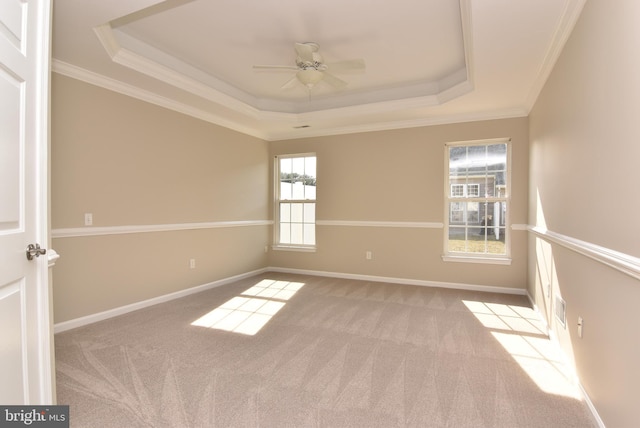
284 350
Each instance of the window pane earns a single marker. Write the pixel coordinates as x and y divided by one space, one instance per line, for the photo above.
309 234
298 166
476 240
457 161
477 158
310 166
286 191
285 233
296 213
296 233
456 212
298 190
457 241
473 213
285 212
310 188
309 213
497 157
496 241
286 166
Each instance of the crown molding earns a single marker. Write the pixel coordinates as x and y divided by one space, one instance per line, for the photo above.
96 79
565 26
401 124
99 80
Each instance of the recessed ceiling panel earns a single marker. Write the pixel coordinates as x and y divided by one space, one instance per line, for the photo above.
406 44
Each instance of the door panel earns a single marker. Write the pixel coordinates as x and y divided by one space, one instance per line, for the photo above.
12 331
25 330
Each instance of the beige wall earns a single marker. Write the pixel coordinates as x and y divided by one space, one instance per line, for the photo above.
132 163
398 176
584 185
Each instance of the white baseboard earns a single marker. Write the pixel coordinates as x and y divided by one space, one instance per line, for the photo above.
592 408
554 338
89 319
420 282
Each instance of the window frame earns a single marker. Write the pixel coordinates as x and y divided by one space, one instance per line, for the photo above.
461 256
277 201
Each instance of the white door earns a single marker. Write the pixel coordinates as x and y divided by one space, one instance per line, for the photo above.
25 354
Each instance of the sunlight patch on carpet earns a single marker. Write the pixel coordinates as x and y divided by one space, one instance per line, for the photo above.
522 334
249 312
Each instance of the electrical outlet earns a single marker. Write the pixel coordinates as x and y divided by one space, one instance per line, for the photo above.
368 255
88 219
580 327
192 263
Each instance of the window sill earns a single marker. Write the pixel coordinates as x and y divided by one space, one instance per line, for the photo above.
477 259
299 248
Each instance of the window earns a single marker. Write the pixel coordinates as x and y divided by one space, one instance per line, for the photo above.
296 201
477 200
463 190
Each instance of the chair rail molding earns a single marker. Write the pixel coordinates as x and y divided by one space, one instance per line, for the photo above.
120 230
622 262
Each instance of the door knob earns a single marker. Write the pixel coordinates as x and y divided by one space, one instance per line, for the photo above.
34 250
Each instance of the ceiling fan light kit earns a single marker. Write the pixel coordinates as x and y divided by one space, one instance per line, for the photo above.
309 77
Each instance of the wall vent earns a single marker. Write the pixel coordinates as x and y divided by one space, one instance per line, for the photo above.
561 311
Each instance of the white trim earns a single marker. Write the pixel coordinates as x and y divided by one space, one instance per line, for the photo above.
567 22
120 230
470 258
299 248
100 316
407 281
401 224
594 412
568 363
622 262
110 84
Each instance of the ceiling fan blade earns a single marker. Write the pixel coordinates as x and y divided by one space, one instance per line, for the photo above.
276 67
333 80
305 51
352 64
290 83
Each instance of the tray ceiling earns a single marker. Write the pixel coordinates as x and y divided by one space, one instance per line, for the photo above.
427 62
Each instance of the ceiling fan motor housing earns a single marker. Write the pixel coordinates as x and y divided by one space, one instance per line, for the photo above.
317 62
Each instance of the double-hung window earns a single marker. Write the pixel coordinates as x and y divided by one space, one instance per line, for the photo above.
296 201
477 194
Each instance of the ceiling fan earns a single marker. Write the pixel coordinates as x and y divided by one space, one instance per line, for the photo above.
310 67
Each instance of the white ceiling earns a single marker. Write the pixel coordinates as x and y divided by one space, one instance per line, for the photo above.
427 61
